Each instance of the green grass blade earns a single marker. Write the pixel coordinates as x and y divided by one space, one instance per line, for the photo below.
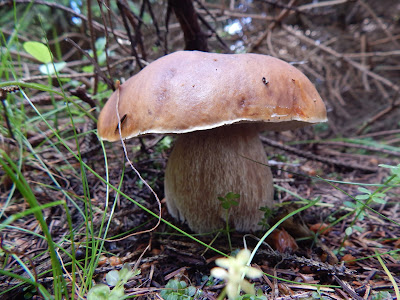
22 185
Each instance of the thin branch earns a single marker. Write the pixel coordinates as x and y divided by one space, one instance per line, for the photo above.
122 8
323 159
357 65
184 11
100 72
92 43
155 23
95 24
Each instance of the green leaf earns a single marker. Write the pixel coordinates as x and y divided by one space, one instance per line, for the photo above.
38 51
100 43
394 169
182 284
358 228
50 69
389 166
231 195
99 292
363 197
88 69
349 204
379 199
191 291
234 203
117 293
349 231
380 195
112 277
123 273
364 190
172 297
127 273
225 205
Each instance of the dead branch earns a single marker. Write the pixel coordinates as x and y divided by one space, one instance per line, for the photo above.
195 38
309 155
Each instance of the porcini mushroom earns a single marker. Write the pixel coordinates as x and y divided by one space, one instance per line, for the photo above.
216 104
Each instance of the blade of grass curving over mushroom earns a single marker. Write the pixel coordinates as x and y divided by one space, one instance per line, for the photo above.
63 143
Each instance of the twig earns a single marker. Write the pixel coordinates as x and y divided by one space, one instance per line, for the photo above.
40 137
92 43
271 26
357 65
289 7
80 75
323 4
348 288
322 159
100 3
384 40
3 96
138 32
353 145
204 21
95 24
380 133
311 263
363 41
379 115
123 10
372 54
80 92
155 23
100 72
195 39
380 23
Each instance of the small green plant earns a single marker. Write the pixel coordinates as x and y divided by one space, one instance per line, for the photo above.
114 278
178 290
227 203
258 296
317 295
164 144
229 200
233 270
42 54
268 212
395 170
367 197
382 295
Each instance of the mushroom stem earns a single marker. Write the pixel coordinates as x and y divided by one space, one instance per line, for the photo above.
210 163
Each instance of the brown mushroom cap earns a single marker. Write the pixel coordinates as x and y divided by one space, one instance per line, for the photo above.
190 90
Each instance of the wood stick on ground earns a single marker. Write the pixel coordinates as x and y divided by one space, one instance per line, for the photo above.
359 146
309 155
379 115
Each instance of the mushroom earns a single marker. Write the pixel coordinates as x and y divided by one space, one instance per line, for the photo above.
216 104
